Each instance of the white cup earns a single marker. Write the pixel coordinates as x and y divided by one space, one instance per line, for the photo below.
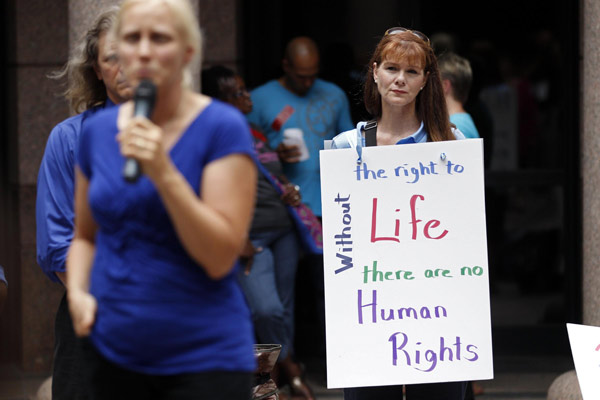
295 136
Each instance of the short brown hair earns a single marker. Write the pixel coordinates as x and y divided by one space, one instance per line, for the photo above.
458 71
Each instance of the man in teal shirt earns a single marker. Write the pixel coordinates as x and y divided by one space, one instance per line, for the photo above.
299 99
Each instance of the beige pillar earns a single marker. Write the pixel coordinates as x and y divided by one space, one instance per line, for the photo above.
39 46
82 14
590 159
566 386
220 23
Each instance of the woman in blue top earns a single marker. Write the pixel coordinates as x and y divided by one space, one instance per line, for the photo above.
150 271
404 93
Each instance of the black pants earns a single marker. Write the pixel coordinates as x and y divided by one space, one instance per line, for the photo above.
430 391
108 381
68 382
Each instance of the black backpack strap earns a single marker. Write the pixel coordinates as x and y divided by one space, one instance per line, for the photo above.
370 130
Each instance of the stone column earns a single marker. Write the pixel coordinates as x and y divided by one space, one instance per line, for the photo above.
42 41
37 48
82 14
566 386
590 162
220 23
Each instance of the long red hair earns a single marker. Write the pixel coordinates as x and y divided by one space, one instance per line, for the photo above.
430 103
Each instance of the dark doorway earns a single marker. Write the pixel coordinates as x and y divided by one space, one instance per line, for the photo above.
525 61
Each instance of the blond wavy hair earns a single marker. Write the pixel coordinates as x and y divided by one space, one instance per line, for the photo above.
84 89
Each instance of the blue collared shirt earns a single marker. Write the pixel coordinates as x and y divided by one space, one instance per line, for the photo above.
420 136
354 138
350 138
54 213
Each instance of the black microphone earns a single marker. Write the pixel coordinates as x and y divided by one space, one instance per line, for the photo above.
143 99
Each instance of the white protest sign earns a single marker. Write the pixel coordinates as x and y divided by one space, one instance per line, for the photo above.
405 264
585 346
